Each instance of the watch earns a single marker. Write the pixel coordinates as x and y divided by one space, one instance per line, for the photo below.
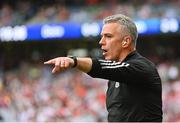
75 61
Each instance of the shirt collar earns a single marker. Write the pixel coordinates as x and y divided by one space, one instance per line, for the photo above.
130 55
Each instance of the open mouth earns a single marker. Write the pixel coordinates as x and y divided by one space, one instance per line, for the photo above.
104 51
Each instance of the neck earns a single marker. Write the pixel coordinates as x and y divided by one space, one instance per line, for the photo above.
125 53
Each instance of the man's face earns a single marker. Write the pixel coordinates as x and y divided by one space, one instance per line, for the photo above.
111 41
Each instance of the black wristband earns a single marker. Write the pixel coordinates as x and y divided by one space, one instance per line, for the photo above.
75 61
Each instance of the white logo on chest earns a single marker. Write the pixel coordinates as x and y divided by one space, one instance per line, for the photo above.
117 84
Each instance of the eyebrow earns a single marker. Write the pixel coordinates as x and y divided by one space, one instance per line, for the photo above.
106 34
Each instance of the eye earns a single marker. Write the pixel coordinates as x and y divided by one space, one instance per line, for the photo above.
108 36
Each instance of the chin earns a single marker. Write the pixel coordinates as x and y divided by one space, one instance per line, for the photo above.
107 58
110 58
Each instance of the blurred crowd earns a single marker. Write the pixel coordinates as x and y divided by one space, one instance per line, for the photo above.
169 72
32 93
30 12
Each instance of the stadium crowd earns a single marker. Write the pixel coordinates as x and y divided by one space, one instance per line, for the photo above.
30 12
34 94
170 76
30 92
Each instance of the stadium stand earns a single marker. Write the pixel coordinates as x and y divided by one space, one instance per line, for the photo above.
29 12
30 93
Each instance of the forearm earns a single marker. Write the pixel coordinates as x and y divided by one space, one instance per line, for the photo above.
84 64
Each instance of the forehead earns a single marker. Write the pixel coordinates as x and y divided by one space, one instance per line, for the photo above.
111 28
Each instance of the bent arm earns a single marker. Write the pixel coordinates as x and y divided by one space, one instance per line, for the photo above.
104 69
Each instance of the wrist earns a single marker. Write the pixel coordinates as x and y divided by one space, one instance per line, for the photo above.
74 58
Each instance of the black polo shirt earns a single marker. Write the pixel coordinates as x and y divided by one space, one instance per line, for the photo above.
134 88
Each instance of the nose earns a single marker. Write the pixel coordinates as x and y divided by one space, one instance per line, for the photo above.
102 41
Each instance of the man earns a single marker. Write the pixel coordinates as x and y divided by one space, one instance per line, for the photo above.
134 87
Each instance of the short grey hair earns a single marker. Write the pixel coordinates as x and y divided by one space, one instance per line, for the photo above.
129 26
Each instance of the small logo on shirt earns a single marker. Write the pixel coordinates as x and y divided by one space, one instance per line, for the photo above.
117 84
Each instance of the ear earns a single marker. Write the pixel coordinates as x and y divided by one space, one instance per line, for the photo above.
126 41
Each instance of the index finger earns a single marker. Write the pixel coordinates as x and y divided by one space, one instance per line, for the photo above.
52 61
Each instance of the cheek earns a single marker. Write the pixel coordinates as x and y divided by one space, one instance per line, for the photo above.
116 47
114 51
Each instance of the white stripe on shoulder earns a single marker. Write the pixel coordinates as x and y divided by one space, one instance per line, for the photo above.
105 61
111 64
117 66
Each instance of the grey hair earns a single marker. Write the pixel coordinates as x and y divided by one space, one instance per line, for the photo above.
129 25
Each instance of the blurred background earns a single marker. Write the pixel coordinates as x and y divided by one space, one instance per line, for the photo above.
32 32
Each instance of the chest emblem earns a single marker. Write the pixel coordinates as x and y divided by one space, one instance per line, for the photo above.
117 84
